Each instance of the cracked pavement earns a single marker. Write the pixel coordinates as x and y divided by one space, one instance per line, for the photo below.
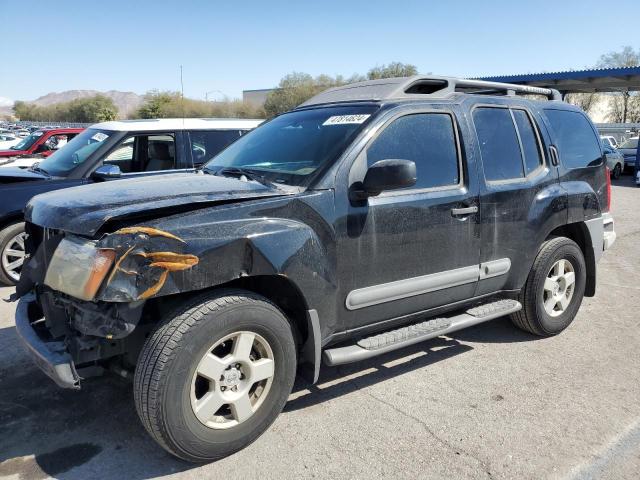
489 401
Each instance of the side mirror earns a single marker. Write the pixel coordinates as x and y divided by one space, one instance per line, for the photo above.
42 148
107 172
388 175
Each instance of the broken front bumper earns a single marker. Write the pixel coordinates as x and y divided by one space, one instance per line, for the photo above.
51 357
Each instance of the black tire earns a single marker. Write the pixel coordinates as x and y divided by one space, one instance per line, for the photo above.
533 317
617 171
7 234
169 358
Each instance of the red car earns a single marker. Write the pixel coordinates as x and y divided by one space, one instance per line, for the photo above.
42 142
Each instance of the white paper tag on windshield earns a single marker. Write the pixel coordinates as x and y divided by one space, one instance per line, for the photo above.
346 119
99 137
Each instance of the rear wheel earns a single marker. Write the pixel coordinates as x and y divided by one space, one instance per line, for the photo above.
12 253
213 378
554 289
617 171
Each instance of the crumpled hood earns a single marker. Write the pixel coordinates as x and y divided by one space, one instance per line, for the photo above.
84 209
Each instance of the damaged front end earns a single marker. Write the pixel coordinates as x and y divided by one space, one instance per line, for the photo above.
81 300
129 265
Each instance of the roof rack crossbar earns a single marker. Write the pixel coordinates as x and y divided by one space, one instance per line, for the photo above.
510 88
422 86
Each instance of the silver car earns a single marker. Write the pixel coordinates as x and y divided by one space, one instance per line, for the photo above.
615 160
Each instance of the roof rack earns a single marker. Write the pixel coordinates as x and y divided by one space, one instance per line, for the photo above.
421 86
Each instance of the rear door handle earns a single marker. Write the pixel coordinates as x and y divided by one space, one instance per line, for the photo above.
554 155
458 212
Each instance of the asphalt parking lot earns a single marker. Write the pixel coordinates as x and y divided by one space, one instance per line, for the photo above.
488 402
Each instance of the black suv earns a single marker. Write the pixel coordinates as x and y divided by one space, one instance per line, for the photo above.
374 216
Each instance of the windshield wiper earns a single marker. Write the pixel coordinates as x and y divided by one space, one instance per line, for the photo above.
36 168
249 174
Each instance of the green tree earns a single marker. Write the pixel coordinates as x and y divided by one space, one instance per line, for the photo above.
158 104
87 110
394 69
171 105
91 110
293 90
625 105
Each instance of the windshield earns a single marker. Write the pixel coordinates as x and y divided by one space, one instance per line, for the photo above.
75 152
292 147
28 141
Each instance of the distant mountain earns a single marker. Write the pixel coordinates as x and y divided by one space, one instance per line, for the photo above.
126 102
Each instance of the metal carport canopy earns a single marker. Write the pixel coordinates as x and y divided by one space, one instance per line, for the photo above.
596 80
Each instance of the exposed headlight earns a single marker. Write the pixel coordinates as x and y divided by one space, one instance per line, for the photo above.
78 268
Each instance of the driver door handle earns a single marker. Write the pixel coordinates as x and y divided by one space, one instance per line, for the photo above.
458 212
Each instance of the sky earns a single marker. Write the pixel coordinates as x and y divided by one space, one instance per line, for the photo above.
226 47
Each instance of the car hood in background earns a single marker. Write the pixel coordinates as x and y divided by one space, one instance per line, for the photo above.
15 174
12 153
85 209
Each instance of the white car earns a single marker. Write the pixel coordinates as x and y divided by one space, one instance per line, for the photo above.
20 162
7 141
609 140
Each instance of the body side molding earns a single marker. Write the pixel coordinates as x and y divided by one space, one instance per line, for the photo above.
409 287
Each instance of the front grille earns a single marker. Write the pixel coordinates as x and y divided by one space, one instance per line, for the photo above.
41 242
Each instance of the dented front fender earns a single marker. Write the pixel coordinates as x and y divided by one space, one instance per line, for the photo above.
151 262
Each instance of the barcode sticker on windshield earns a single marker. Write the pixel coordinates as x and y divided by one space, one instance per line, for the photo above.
99 137
346 119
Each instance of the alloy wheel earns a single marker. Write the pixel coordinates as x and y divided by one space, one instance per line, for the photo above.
559 287
232 380
13 256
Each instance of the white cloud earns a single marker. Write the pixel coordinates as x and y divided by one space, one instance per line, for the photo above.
6 102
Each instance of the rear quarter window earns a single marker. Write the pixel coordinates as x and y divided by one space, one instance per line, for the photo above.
578 144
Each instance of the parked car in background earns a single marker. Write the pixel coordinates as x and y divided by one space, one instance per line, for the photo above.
8 140
108 151
629 149
22 133
615 160
41 142
609 140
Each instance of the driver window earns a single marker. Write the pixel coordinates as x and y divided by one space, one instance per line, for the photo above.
122 155
56 142
429 140
144 153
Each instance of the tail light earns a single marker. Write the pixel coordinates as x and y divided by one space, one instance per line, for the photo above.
608 208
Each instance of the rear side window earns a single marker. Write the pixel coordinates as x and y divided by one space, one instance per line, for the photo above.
509 144
530 144
577 142
429 140
206 144
499 145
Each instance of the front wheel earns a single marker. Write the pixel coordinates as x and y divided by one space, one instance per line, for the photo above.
215 376
554 288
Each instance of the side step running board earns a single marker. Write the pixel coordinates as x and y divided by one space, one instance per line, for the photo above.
419 332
